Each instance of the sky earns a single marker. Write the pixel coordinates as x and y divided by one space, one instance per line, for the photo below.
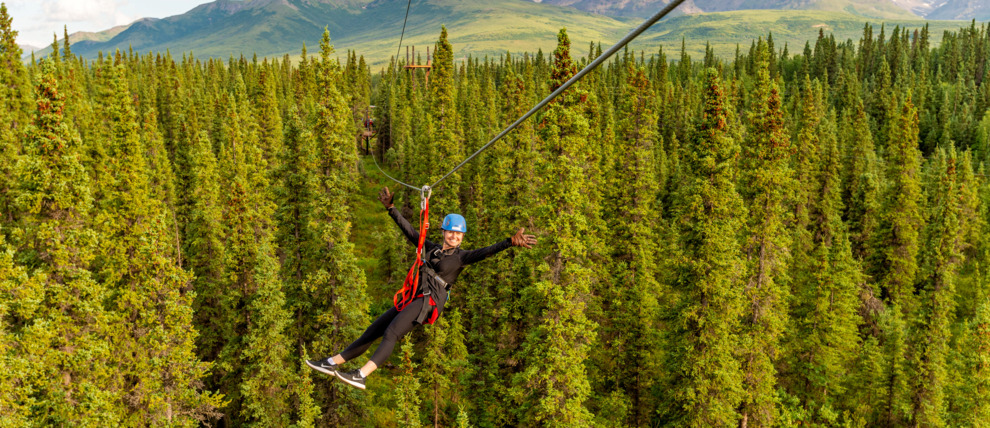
36 20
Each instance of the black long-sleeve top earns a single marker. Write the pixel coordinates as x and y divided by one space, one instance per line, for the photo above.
447 264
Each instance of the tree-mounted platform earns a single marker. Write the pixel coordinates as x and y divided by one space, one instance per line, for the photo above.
428 66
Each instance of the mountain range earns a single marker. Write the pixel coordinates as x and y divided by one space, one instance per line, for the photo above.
933 9
225 28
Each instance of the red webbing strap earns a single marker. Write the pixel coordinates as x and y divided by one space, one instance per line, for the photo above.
407 293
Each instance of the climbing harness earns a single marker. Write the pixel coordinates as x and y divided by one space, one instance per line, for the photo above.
409 289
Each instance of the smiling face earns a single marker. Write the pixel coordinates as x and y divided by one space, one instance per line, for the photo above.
452 239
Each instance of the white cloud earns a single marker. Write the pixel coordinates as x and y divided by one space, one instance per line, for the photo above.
36 20
79 10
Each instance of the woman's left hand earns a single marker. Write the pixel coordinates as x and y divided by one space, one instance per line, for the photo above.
525 241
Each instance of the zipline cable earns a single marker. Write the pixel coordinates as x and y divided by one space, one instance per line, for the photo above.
395 73
389 176
587 69
604 56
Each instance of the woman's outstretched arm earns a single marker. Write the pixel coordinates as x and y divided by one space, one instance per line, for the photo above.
386 198
517 240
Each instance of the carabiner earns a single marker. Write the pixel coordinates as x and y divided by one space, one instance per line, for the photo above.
424 194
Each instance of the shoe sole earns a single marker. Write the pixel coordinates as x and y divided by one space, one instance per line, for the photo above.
350 382
321 369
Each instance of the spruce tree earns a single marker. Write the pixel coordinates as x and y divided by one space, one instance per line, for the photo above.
268 115
628 367
807 155
15 88
407 391
67 322
941 256
860 181
335 275
445 360
902 207
14 110
203 244
295 197
444 124
975 391
767 182
254 368
973 224
9 152
707 382
160 375
324 287
553 385
891 403
980 376
162 179
823 339
882 106
494 291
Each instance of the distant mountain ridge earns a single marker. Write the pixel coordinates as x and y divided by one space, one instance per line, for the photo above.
961 9
275 27
901 9
643 8
226 28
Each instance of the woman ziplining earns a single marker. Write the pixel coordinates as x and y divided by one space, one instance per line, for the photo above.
441 264
422 298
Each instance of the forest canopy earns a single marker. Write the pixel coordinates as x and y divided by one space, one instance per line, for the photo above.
786 237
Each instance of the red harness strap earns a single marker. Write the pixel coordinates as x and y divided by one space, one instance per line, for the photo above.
409 289
433 315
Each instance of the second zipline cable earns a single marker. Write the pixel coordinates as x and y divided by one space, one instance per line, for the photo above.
587 69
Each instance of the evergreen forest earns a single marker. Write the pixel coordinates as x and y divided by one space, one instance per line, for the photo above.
795 236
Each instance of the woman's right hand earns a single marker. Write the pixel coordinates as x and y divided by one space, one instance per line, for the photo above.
386 197
521 240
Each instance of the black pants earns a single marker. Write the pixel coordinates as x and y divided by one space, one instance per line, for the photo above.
390 326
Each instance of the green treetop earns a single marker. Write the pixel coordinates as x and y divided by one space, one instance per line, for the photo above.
707 380
14 86
630 366
253 368
67 322
203 244
553 386
767 182
942 257
334 127
902 207
823 338
446 134
268 114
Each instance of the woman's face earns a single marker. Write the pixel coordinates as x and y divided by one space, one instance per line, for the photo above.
452 239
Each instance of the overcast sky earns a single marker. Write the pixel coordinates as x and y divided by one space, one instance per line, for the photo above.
36 20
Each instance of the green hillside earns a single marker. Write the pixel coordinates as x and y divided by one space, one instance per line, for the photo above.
726 29
275 29
476 27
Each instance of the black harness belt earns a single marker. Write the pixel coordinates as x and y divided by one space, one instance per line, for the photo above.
426 311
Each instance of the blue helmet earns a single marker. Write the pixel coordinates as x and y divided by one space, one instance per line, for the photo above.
455 223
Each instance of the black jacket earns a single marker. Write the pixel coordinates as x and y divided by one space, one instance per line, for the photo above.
447 264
